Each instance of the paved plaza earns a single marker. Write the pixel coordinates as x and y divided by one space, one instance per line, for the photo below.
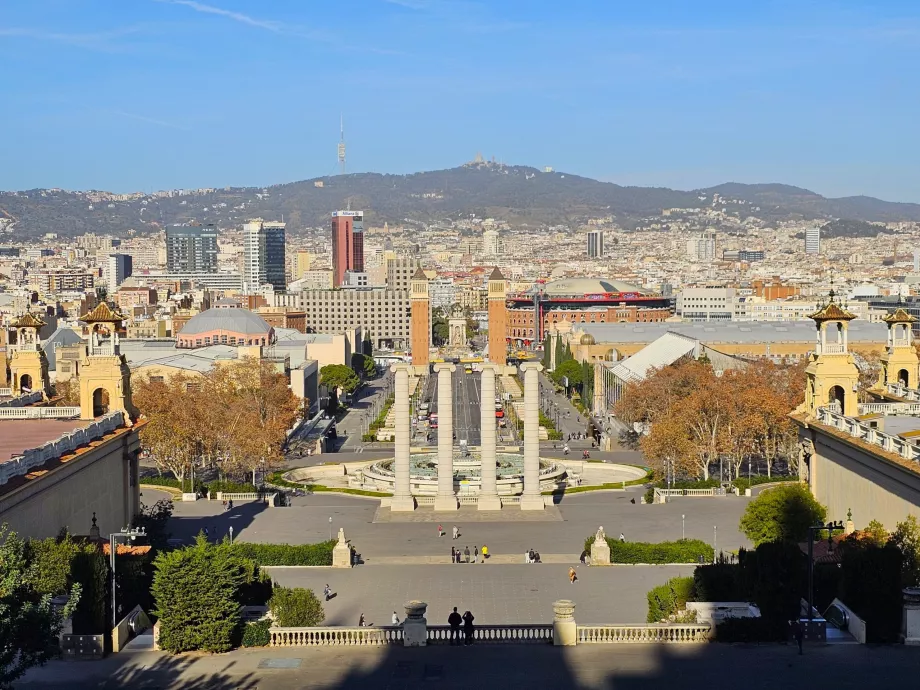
585 667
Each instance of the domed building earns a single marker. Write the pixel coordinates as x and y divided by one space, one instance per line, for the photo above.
580 301
225 326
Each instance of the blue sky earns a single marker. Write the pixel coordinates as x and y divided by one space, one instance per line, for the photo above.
153 94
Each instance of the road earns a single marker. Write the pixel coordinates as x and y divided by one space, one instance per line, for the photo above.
466 395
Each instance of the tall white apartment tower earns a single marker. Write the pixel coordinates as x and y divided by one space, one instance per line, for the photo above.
813 240
595 244
491 244
263 255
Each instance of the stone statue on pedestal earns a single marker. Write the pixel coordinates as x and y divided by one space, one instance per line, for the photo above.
600 549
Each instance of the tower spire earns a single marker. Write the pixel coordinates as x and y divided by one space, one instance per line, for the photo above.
341 144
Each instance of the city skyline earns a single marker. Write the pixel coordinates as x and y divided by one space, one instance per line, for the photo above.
787 94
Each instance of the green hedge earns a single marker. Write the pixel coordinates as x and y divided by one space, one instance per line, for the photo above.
286 554
749 630
172 482
296 607
255 634
681 551
230 487
744 483
201 487
667 599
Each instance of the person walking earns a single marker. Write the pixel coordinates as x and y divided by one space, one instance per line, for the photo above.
466 554
475 554
395 619
454 620
361 622
456 532
230 504
327 591
485 553
583 559
622 537
468 629
440 530
572 575
798 634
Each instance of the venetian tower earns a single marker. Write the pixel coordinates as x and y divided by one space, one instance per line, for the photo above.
831 374
498 349
28 365
105 380
420 318
899 362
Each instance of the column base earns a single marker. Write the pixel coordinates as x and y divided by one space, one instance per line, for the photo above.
532 502
489 503
445 503
402 504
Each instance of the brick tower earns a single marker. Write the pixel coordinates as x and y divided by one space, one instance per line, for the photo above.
498 349
420 324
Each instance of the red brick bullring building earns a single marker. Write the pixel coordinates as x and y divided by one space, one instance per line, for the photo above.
580 300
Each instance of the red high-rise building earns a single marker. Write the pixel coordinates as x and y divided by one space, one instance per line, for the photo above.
347 244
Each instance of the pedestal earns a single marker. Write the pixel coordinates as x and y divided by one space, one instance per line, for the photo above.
341 552
600 549
910 623
565 633
415 626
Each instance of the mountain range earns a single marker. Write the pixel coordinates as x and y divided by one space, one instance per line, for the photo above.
518 194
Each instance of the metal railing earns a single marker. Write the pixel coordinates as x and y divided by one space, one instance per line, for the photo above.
39 412
22 464
335 637
639 634
863 432
536 633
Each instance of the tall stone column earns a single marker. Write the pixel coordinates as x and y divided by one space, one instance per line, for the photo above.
531 498
402 495
488 492
446 498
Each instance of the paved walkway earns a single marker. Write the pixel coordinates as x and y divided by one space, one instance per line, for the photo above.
468 514
585 667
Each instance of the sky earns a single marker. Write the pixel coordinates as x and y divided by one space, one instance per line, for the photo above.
140 95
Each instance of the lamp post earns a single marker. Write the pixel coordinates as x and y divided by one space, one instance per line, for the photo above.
683 530
330 528
715 542
231 534
131 534
831 527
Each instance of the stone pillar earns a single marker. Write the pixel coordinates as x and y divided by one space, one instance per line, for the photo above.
402 500
341 552
565 633
911 619
446 498
531 498
488 492
415 626
600 549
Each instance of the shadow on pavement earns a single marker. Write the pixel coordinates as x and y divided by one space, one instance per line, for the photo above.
187 527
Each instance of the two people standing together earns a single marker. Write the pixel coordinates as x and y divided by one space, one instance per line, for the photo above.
455 620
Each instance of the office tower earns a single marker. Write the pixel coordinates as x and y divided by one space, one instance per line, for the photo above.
813 240
117 268
702 247
595 244
347 244
191 249
491 244
263 254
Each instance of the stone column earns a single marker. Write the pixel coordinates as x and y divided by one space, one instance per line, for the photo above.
446 498
415 626
565 632
488 492
402 500
531 498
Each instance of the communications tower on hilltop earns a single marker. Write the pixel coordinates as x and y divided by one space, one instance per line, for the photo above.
342 145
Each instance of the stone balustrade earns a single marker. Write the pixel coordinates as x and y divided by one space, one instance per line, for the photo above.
902 391
6 392
335 636
664 493
537 633
897 408
36 457
863 432
39 412
22 400
642 634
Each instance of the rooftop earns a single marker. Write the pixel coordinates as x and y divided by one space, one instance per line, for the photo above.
19 435
732 332
226 319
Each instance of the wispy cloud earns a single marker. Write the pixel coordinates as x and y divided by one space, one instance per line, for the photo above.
105 41
267 24
148 120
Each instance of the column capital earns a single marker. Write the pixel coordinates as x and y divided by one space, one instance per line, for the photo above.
489 366
401 366
445 366
531 366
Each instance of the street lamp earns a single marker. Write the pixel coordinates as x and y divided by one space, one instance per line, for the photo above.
231 534
330 528
831 527
683 531
131 534
715 542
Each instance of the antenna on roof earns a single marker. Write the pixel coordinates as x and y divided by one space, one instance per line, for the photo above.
341 144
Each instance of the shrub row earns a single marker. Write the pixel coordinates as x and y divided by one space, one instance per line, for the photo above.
199 486
286 554
680 551
743 483
667 599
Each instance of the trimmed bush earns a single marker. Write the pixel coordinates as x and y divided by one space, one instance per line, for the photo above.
285 554
667 599
782 513
296 607
680 551
226 486
255 634
748 630
719 582
744 483
185 485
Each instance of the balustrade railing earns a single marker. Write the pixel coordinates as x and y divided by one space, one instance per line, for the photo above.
22 400
335 637
6 392
833 349
859 430
717 491
893 408
902 391
39 412
537 633
639 634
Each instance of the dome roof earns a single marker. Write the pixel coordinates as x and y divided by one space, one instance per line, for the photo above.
226 319
587 339
588 286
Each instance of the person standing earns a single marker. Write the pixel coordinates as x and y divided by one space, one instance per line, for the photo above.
485 553
466 554
468 629
456 533
527 556
622 537
327 591
361 622
454 620
475 554
395 619
453 554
